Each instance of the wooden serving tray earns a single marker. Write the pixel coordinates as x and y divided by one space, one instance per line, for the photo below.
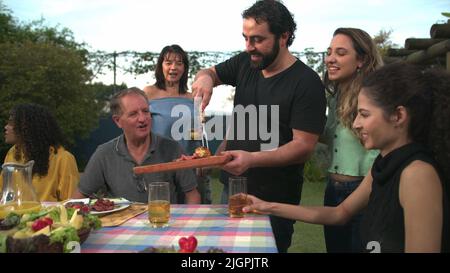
185 164
120 217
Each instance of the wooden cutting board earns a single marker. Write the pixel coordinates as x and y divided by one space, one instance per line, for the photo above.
120 217
210 161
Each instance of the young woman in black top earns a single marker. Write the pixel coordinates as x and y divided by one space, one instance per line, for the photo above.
402 111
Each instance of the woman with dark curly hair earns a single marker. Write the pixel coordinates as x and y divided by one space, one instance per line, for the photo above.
35 135
402 111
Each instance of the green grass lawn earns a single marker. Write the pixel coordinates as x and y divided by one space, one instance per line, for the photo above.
307 238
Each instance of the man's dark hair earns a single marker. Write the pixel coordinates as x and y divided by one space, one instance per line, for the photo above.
277 16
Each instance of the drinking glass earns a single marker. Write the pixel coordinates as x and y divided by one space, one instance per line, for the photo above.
237 196
158 204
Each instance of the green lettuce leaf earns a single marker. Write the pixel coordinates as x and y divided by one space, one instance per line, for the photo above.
3 243
64 236
91 221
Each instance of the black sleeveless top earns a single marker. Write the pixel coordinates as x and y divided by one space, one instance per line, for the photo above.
383 226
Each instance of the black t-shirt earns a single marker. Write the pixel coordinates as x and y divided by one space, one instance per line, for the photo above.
300 97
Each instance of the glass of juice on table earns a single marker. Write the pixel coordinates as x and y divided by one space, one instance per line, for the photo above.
159 204
237 192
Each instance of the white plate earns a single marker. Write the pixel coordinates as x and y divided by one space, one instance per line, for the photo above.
82 200
116 208
119 204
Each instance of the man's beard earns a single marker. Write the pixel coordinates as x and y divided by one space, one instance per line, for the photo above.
266 59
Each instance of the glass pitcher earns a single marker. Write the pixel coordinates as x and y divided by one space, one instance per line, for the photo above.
18 194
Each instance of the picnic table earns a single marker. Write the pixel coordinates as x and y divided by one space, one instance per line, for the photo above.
210 224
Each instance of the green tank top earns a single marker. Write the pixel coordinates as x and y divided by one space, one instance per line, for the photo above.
348 156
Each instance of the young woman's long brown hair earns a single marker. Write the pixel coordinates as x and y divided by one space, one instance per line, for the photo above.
347 93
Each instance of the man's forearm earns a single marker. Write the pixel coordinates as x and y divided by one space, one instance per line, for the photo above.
294 152
208 73
205 73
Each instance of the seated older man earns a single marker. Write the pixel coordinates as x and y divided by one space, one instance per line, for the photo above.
110 168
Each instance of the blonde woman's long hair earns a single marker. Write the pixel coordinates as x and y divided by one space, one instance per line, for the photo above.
347 93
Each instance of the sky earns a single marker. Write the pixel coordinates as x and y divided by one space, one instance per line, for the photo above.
216 25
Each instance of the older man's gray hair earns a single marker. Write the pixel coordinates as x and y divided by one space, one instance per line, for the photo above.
114 105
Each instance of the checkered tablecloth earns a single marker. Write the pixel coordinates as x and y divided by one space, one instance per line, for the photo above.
210 224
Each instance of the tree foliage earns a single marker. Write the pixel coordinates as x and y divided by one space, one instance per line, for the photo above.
383 41
11 30
45 65
315 60
7 24
52 76
138 63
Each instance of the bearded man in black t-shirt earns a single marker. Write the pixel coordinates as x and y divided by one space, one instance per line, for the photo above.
279 110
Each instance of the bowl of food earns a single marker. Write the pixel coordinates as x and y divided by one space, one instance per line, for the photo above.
54 229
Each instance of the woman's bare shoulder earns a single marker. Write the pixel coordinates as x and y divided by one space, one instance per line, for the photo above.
419 178
151 91
418 169
188 95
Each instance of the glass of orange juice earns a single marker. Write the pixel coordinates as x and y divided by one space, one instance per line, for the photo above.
237 190
159 204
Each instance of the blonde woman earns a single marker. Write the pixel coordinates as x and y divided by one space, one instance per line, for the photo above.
351 56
